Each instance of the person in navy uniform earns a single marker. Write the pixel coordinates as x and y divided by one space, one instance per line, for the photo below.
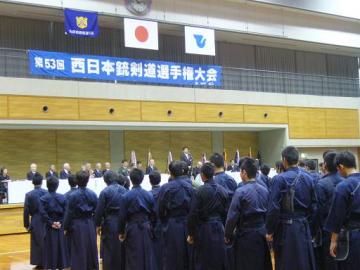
174 205
206 222
137 218
98 173
325 189
247 214
33 170
155 180
345 211
292 204
52 210
79 223
151 167
265 170
33 221
186 157
51 172
65 172
221 177
311 169
107 223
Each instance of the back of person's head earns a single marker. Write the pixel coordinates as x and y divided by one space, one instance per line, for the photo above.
72 180
249 166
328 151
127 183
208 170
176 168
37 179
291 155
82 178
185 168
217 160
311 164
265 169
121 179
110 177
155 178
52 183
136 176
346 159
302 163
329 162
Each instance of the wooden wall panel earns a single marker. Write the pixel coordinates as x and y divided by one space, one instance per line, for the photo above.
3 106
19 148
158 111
77 146
32 108
209 113
342 124
307 123
198 142
94 109
265 114
234 140
158 142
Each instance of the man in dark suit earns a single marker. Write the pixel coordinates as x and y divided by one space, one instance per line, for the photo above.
33 170
151 167
51 172
107 167
186 157
65 172
98 172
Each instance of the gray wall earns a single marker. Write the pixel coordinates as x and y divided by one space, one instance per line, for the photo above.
271 144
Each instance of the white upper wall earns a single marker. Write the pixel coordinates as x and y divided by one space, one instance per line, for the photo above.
243 16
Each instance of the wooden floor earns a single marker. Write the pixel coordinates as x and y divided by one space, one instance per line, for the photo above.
14 252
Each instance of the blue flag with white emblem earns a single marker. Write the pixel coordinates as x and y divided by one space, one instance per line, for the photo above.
199 40
81 23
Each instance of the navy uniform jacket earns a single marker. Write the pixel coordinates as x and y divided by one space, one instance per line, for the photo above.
110 201
227 182
31 204
70 192
325 189
98 174
64 175
316 176
345 211
292 235
51 173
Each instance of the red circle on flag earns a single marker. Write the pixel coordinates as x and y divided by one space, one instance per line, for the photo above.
141 33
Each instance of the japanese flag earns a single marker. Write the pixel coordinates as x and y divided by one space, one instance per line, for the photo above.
141 34
199 40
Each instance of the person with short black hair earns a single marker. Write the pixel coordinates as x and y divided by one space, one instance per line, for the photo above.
302 164
107 222
325 189
52 209
136 221
35 226
345 212
185 172
174 204
205 222
186 157
247 214
155 180
292 203
221 177
279 167
79 223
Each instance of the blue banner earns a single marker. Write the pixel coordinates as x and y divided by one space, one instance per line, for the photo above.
81 23
66 65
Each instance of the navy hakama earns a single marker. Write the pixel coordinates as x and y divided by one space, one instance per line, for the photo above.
157 229
137 217
52 209
79 223
36 226
174 205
